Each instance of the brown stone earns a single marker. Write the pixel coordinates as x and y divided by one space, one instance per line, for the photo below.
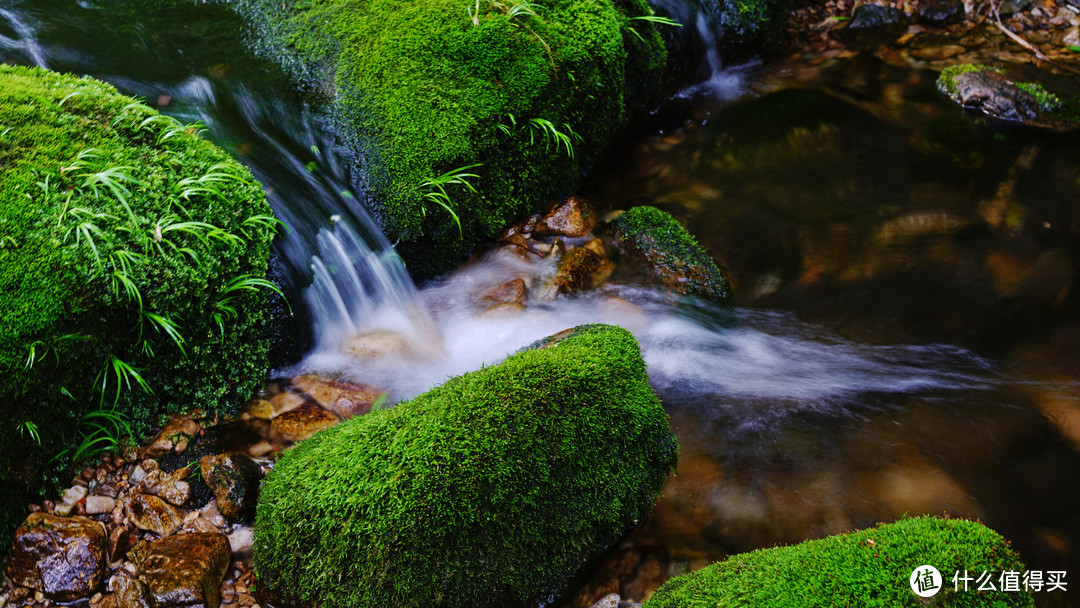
574 274
346 399
150 513
185 570
380 343
129 591
234 479
260 408
572 217
62 557
303 422
120 540
173 438
512 292
163 485
504 310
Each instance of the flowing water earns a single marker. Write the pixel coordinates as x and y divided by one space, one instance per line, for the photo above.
906 330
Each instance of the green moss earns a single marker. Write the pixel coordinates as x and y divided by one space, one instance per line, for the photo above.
100 257
1048 102
421 89
946 82
490 490
869 568
670 253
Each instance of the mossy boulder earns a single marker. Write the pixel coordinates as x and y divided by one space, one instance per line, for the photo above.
131 260
524 94
991 92
867 568
669 254
490 490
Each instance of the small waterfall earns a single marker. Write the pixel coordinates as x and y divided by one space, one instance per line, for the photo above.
712 78
358 289
26 41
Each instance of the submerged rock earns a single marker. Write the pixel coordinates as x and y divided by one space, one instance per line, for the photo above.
491 490
872 25
510 292
574 274
990 92
62 557
669 254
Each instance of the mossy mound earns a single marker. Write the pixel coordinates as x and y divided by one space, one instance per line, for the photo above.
868 568
490 490
131 261
522 95
670 254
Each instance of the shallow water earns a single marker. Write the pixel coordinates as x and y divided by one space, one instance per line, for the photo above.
906 333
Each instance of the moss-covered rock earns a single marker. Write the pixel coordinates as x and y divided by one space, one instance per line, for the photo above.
990 91
669 254
866 568
124 243
491 490
529 92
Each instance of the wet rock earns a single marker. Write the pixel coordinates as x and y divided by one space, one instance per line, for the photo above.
130 591
669 255
303 422
346 399
242 541
942 13
98 505
150 513
260 408
989 92
574 274
608 601
285 401
509 292
506 309
234 479
1010 7
380 343
872 25
120 541
166 486
572 217
62 557
185 570
173 438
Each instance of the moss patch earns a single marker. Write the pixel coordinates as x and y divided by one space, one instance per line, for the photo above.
670 254
868 568
424 87
490 490
121 236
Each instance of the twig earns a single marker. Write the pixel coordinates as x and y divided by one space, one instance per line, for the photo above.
1024 43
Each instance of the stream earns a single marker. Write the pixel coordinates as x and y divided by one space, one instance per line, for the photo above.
905 338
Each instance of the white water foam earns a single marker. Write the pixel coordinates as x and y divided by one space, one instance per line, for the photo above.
26 41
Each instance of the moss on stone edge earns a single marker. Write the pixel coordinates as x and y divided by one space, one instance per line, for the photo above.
946 82
671 253
421 89
490 490
867 568
92 205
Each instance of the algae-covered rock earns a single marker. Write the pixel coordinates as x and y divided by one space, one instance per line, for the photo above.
669 254
125 244
521 95
991 92
490 490
870 567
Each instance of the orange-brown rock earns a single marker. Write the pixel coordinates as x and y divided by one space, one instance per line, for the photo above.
575 274
512 291
346 399
150 513
173 438
62 557
572 217
163 485
303 422
185 570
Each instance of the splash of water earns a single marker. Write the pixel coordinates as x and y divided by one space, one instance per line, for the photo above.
26 40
